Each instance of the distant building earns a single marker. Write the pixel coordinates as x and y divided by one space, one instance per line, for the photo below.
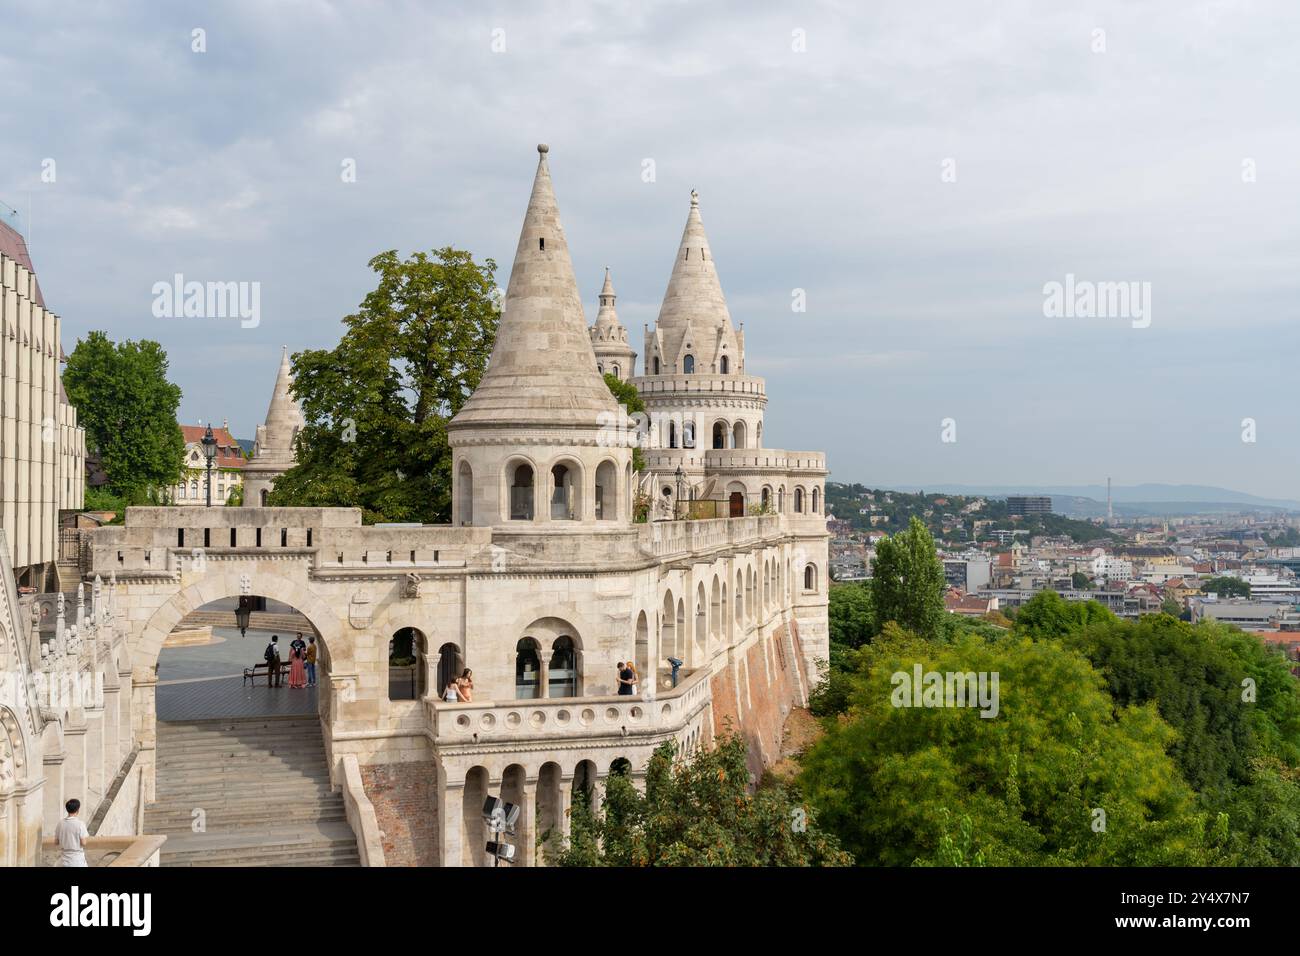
42 448
1029 505
227 467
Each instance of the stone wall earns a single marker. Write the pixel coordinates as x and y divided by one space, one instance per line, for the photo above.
754 694
405 798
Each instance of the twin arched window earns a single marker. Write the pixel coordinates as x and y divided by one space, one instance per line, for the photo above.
688 365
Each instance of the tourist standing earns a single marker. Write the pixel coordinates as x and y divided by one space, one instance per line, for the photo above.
71 835
636 678
624 679
465 686
272 656
297 669
297 644
310 660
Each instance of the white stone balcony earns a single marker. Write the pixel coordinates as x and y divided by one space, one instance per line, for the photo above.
492 722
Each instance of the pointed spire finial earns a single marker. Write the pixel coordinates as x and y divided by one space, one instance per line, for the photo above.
695 198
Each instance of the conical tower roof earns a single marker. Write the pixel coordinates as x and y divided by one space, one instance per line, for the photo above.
694 295
542 371
607 317
283 417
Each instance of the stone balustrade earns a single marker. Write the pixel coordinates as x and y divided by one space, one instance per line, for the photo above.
666 538
493 722
142 850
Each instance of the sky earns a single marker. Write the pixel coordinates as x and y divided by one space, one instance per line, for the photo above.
922 171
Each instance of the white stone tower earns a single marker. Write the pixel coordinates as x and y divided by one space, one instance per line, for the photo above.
541 440
273 452
693 381
609 339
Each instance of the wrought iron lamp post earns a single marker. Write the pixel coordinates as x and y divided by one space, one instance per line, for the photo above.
681 490
209 452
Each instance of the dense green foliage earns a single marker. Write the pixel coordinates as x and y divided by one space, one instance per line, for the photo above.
1226 587
907 583
1024 785
128 409
697 811
1187 737
377 404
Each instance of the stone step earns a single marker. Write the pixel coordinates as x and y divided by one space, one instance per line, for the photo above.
264 786
182 822
239 760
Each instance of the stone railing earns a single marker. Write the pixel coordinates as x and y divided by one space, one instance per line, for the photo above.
361 813
495 722
665 538
141 850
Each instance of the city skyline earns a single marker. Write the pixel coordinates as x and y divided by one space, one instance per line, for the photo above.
922 233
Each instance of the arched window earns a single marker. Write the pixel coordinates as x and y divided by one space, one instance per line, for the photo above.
688 364
672 434
606 491
688 435
264 493
465 493
719 434
656 365
527 669
562 680
724 365
450 666
406 665
758 436
798 501
521 493
738 435
600 368
816 501
614 370
180 491
566 500
767 497
810 578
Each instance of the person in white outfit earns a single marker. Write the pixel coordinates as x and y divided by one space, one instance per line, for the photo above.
71 835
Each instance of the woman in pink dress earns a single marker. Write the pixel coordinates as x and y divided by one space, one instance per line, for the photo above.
297 669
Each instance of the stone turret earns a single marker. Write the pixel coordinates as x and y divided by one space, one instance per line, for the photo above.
609 338
273 452
694 335
541 439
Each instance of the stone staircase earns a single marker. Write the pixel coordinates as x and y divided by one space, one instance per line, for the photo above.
263 786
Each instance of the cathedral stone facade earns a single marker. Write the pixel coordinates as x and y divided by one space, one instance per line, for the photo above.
542 583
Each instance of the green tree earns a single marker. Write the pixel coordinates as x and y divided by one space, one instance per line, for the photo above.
128 408
625 394
1025 786
1226 586
377 405
852 619
1080 581
698 811
907 582
1195 682
1047 614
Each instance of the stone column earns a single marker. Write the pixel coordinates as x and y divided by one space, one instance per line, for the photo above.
526 831
431 662
74 767
544 673
53 790
144 728
566 805
452 805
113 752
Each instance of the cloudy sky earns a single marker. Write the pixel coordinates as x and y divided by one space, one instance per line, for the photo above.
921 169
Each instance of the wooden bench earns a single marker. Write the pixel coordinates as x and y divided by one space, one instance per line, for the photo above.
262 669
